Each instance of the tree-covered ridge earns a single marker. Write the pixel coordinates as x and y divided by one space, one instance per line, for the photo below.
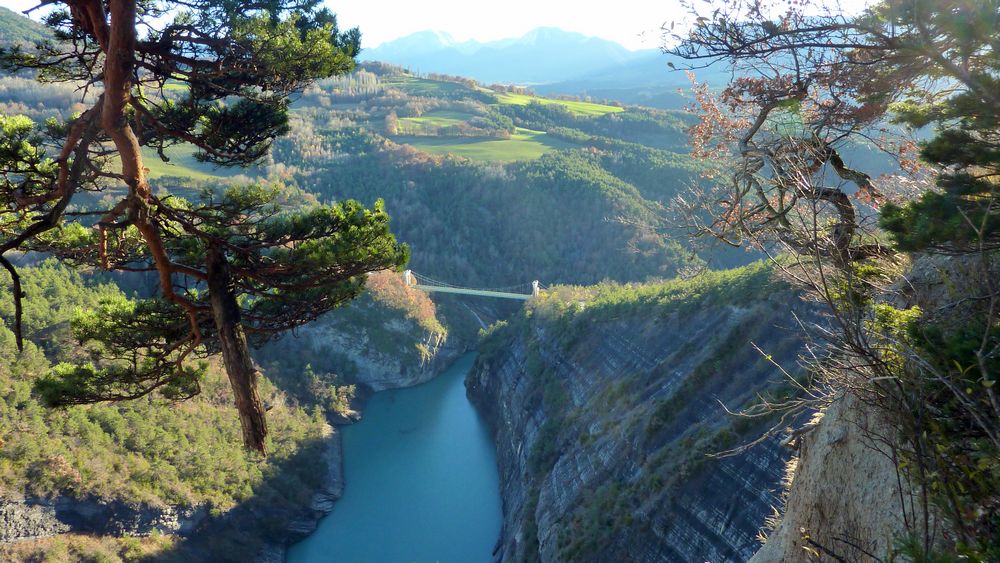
16 29
340 123
388 288
215 77
606 301
639 370
571 309
337 118
583 210
339 149
440 112
562 218
153 451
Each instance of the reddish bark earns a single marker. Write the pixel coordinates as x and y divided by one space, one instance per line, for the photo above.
235 351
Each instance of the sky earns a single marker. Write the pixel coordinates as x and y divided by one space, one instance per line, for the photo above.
632 23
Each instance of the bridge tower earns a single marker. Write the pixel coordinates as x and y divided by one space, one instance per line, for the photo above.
534 288
408 278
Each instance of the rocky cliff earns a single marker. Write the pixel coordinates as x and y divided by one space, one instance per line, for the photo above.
606 405
845 496
32 518
388 338
852 495
378 353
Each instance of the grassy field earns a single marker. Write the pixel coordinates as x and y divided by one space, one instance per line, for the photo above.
175 86
427 123
437 88
423 86
183 165
579 108
525 144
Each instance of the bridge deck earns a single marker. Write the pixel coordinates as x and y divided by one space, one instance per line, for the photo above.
480 292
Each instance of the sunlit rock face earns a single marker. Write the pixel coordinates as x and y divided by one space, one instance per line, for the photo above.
368 343
603 433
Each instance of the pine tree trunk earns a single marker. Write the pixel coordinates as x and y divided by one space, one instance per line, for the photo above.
235 352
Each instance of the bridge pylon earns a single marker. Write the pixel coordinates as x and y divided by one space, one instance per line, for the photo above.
534 288
408 278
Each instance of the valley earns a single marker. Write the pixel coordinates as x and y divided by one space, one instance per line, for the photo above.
473 178
763 323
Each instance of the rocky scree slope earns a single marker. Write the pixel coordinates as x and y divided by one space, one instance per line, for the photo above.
604 402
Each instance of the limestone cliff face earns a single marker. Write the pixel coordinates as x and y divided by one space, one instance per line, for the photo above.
372 366
845 495
32 518
847 499
323 499
603 423
366 343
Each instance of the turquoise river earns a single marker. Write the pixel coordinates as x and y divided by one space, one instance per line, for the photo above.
421 481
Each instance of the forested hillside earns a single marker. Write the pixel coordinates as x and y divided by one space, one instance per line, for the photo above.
562 190
152 452
15 29
206 207
468 174
488 187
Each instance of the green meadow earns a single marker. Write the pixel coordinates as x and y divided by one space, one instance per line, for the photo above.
430 121
424 86
182 165
579 108
525 144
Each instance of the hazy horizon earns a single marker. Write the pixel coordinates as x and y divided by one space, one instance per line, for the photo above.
634 24
381 21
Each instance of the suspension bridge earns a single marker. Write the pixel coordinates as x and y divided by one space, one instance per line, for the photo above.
420 281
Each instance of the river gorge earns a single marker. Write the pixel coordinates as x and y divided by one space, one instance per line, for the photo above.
421 480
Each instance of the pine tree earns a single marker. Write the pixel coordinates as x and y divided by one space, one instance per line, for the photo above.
215 75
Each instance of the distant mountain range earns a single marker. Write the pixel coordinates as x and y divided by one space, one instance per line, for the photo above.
542 55
550 60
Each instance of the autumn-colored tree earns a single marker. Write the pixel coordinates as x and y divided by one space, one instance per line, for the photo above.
811 83
216 76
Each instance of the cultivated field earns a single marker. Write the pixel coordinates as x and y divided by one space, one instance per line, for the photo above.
525 144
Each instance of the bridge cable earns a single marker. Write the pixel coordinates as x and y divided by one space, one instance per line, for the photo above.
436 282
